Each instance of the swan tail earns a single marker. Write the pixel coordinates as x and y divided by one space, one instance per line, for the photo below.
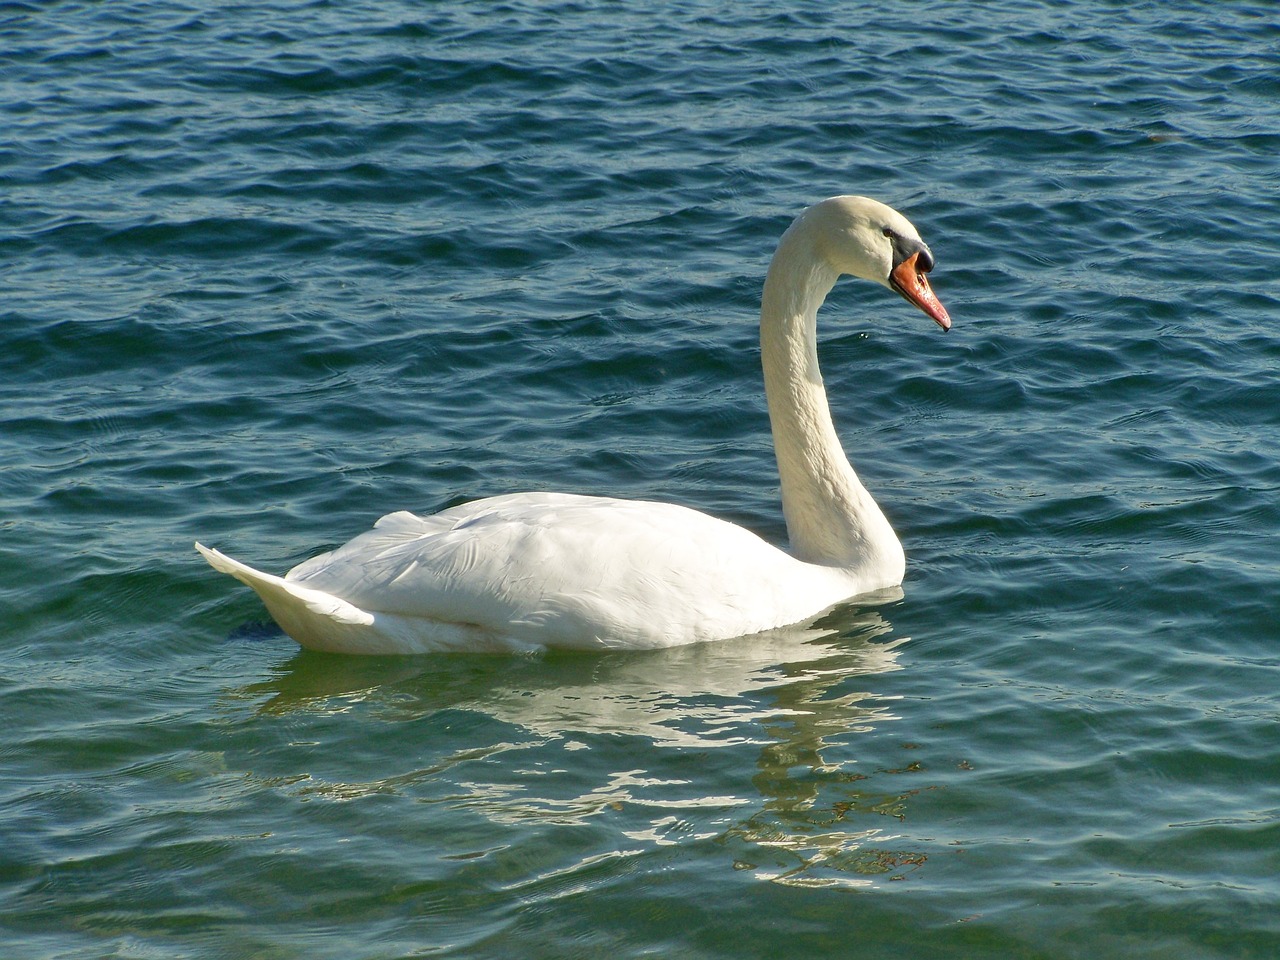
312 617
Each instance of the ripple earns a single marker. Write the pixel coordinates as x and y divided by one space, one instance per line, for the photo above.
271 272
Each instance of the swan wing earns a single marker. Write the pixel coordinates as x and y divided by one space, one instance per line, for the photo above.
571 571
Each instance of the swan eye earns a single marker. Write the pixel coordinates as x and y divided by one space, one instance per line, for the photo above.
887 231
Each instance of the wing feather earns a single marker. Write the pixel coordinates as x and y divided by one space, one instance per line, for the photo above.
570 569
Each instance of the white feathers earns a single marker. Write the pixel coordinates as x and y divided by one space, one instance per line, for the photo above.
535 570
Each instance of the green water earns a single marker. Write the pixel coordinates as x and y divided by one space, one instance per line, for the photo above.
273 270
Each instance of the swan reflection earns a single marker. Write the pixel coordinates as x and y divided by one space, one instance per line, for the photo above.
744 744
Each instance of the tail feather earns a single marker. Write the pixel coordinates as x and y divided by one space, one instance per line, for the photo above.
321 621
290 603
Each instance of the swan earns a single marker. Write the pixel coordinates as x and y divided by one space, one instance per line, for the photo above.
530 571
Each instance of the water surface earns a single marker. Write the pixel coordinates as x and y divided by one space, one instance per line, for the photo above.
272 270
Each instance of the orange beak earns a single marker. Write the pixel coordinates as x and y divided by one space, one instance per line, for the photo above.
910 281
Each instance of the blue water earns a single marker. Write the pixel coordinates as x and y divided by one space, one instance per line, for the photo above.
272 270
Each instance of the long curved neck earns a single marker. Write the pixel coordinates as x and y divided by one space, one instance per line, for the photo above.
831 518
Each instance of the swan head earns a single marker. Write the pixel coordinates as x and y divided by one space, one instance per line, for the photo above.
871 240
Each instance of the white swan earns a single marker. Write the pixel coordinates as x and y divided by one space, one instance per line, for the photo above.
534 570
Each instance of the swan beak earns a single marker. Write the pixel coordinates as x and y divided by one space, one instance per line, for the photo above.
910 281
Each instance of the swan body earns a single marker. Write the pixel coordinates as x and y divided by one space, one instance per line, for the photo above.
531 571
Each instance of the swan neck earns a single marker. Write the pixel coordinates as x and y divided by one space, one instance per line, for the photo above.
831 517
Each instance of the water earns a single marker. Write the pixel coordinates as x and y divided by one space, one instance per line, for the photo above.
271 270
